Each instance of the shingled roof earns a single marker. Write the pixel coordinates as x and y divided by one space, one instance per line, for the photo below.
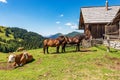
99 14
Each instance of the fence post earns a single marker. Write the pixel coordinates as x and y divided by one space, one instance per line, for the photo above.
119 29
108 42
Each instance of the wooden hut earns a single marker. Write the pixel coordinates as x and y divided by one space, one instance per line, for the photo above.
113 28
94 19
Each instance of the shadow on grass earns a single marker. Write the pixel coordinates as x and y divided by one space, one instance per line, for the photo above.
105 49
30 61
72 51
88 50
101 48
113 51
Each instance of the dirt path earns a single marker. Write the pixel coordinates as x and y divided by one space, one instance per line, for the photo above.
5 66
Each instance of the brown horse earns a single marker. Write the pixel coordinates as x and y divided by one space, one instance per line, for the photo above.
53 43
74 40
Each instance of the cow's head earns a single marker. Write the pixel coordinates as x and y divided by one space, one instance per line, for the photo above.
11 58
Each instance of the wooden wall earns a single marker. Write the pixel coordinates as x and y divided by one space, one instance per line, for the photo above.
112 29
95 30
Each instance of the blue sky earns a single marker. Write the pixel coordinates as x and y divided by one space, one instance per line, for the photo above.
45 17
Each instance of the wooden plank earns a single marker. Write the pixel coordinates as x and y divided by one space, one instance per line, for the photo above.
119 28
112 37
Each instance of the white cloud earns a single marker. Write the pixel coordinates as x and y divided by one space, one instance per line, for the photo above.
58 22
3 1
61 15
68 24
72 26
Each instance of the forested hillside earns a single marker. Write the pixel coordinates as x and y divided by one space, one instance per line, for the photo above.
12 38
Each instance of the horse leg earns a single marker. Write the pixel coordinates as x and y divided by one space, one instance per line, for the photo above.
78 47
44 49
57 49
47 50
63 48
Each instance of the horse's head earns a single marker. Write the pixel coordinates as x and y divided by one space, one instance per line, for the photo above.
63 39
86 37
66 40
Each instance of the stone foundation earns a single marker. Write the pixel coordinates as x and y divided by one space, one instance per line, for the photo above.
114 44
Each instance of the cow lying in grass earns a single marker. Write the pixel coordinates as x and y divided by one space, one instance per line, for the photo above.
20 59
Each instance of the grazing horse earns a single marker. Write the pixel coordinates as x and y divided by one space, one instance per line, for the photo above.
74 40
53 43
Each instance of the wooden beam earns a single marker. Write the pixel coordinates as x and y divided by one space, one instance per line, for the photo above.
118 14
119 29
117 19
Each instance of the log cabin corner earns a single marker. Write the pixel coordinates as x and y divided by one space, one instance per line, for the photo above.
94 19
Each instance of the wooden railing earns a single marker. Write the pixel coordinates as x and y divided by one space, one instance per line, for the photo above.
111 37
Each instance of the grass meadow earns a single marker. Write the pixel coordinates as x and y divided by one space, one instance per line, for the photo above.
89 64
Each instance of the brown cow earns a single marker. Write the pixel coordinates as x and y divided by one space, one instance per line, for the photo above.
20 59
25 58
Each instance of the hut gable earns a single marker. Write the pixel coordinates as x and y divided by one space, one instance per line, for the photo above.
99 14
94 19
117 18
113 28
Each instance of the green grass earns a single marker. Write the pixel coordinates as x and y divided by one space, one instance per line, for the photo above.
89 64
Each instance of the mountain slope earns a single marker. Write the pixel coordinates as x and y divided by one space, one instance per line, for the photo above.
73 34
55 35
12 38
69 34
